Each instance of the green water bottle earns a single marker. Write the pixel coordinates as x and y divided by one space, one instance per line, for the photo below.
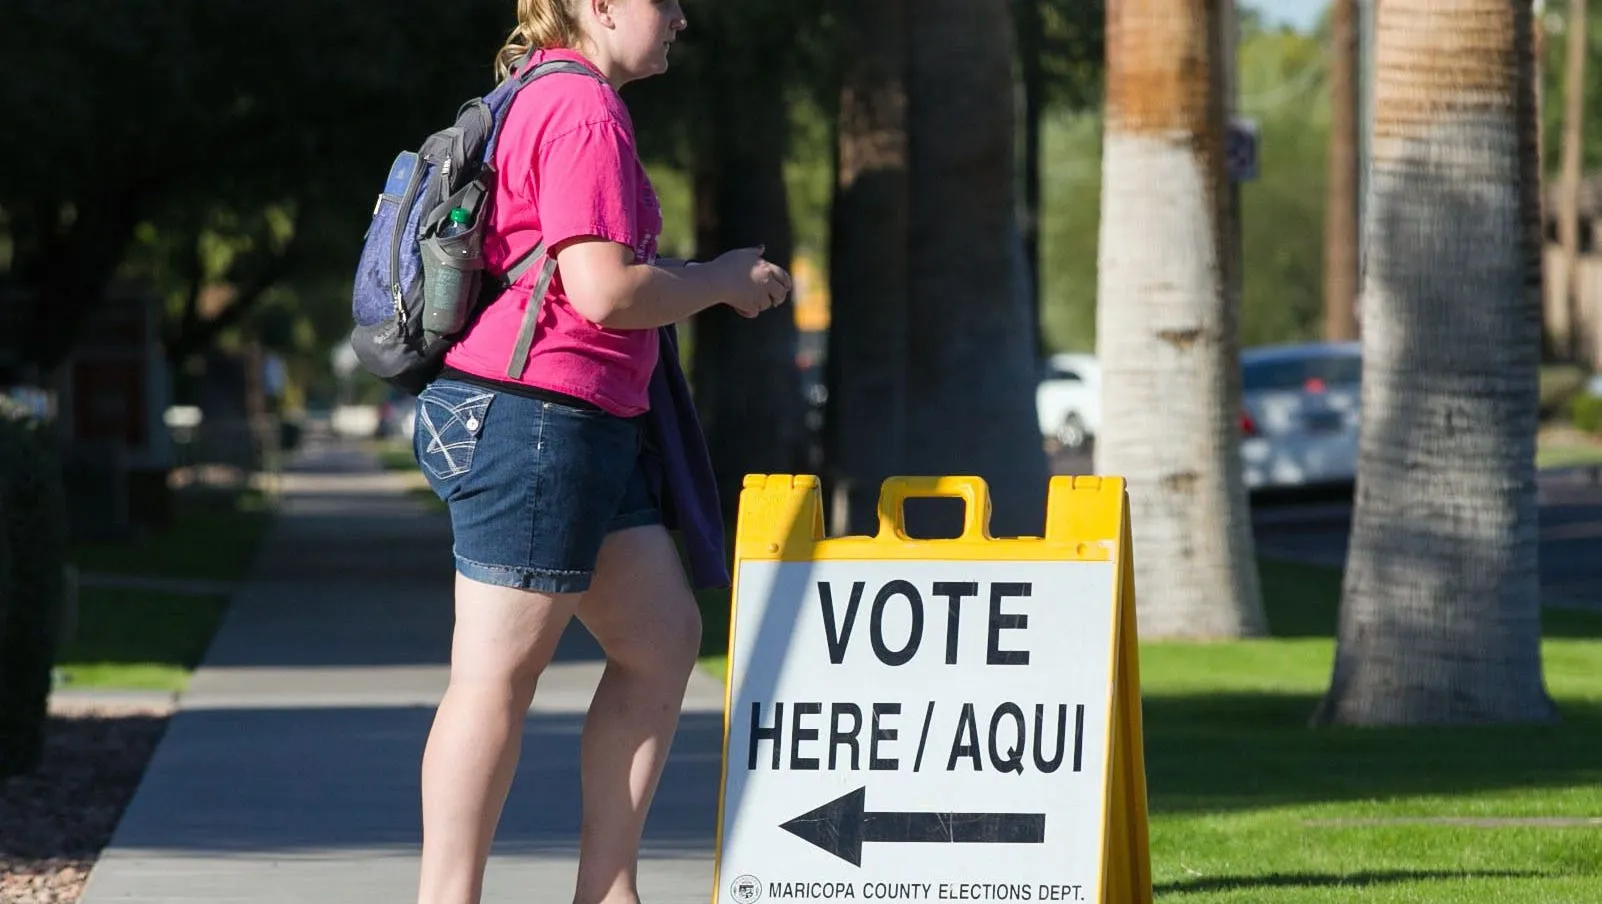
459 223
451 272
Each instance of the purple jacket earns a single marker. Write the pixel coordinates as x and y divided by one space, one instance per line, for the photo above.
684 479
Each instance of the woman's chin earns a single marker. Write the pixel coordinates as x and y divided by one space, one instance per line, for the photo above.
650 67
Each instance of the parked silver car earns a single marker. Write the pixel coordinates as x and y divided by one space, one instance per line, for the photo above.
1301 408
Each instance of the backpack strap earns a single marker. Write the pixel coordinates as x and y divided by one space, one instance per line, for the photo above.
536 301
550 66
537 254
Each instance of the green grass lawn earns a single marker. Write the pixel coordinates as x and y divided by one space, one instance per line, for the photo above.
211 537
139 639
1568 455
1248 804
1560 383
395 454
1560 444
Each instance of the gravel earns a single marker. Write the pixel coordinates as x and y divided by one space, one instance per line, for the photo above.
54 823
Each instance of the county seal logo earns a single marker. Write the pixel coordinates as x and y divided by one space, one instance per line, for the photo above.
745 889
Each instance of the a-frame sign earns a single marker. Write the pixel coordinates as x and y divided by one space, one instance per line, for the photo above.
943 720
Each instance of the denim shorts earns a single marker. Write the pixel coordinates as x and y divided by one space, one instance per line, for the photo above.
533 486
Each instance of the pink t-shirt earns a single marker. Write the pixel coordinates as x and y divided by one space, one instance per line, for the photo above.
566 166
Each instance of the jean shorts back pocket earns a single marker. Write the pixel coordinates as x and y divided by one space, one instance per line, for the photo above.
450 418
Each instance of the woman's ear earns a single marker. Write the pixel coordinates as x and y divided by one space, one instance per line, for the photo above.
602 11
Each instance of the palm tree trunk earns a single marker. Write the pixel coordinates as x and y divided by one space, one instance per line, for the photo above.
1440 616
747 387
971 351
865 427
1340 204
1166 322
1032 73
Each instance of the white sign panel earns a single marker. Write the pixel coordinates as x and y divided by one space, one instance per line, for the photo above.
918 731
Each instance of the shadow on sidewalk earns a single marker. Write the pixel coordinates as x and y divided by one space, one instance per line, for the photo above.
352 575
347 778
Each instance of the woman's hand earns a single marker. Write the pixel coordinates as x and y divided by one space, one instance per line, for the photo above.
749 284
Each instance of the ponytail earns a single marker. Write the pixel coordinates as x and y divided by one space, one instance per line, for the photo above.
541 25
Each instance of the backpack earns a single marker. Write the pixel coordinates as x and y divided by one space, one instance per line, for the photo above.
420 279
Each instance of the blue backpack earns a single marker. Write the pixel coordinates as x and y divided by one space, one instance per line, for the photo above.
420 280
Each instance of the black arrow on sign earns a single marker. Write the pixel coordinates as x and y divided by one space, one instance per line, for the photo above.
842 825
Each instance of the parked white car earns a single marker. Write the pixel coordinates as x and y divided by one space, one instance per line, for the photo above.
1301 411
1068 399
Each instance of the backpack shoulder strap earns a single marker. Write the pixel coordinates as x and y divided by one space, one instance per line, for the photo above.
499 101
550 66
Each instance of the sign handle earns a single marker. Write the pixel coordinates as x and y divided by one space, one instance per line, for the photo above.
973 491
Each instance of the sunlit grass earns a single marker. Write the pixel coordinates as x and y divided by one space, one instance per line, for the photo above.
137 638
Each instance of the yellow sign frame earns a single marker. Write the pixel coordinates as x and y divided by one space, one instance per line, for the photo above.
780 518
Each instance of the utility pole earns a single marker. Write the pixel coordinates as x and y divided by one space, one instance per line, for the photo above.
1365 133
1538 42
1340 198
1568 296
1228 86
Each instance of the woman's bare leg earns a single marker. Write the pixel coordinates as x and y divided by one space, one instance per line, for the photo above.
503 640
645 618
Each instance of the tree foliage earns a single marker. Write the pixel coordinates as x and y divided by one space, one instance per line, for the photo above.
1283 87
1073 48
1551 73
149 131
151 126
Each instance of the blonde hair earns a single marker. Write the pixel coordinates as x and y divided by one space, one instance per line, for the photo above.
541 24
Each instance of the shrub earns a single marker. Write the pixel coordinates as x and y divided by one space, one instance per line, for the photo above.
33 533
1585 412
1561 384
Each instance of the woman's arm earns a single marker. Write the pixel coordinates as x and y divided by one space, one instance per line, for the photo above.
607 287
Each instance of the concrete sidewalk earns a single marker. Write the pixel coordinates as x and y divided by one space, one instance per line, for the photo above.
290 771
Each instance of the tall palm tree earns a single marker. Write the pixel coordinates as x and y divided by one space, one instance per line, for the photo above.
747 387
971 354
1166 322
931 347
865 434
1440 615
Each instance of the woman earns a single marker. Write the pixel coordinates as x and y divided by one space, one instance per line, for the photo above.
549 475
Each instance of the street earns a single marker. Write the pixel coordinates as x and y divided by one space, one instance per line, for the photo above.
1316 529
